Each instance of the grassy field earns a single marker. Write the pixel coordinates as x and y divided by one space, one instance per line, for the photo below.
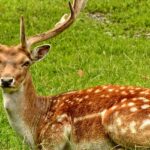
108 44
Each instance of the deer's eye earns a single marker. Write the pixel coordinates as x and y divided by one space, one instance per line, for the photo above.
26 64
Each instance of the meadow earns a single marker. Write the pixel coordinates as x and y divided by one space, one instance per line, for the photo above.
108 44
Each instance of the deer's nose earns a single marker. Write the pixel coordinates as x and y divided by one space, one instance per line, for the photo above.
6 81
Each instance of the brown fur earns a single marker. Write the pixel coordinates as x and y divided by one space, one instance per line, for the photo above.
93 118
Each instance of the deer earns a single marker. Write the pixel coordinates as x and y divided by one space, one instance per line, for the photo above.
104 117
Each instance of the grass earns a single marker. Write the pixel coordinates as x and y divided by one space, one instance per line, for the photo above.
108 44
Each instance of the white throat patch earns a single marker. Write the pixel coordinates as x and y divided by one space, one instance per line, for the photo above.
13 106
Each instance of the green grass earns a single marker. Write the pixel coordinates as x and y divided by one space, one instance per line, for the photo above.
115 50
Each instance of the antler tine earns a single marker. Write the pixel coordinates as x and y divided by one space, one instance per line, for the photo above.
78 5
22 33
63 24
71 9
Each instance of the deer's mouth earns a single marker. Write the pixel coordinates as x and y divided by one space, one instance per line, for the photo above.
9 89
4 86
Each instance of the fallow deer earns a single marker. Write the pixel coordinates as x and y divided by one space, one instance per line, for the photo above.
97 118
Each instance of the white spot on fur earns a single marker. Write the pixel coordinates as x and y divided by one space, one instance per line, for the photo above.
138 88
145 106
110 128
107 96
145 123
77 99
45 119
131 104
146 92
118 121
102 96
61 117
132 127
110 90
90 103
124 100
54 101
61 105
114 107
67 100
132 91
141 98
86 117
122 88
97 91
103 112
117 91
133 109
134 99
64 97
53 127
143 92
116 114
104 87
90 90
123 105
72 103
124 93
80 100
145 100
86 97
67 131
123 130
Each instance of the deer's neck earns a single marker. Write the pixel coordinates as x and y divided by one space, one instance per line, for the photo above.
21 109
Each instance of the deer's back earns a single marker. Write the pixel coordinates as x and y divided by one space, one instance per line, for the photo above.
119 113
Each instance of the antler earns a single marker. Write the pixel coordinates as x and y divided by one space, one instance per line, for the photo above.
22 33
63 24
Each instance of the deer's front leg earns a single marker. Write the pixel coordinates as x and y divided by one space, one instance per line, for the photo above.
56 136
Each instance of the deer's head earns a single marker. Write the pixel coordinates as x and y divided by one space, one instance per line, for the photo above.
16 60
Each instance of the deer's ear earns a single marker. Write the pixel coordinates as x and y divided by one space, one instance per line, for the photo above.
40 52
